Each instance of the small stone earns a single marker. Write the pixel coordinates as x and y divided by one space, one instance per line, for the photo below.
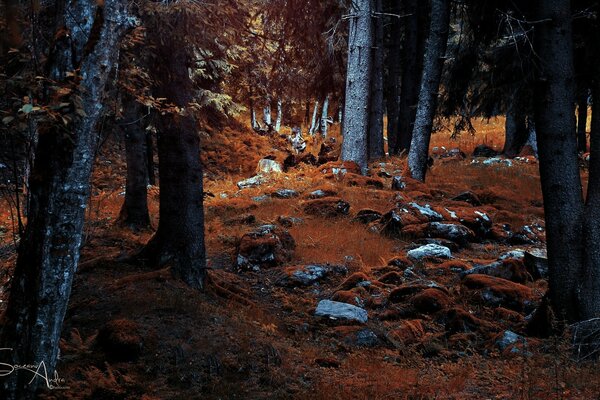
510 339
309 274
343 311
366 338
254 181
284 194
430 250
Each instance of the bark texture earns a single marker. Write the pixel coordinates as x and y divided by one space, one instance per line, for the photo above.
59 184
516 132
392 78
358 85
557 146
430 83
582 115
376 149
279 116
325 117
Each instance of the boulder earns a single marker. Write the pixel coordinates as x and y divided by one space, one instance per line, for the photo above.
320 193
409 332
427 212
430 301
455 232
498 292
407 290
429 250
307 275
510 269
509 339
267 167
328 207
267 246
288 222
284 194
536 262
254 181
342 311
367 216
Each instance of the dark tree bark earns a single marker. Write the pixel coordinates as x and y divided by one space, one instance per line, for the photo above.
179 239
59 193
376 149
430 83
358 85
150 158
415 34
134 212
557 146
392 77
582 114
516 131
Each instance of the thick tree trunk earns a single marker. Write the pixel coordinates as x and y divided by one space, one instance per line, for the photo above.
582 111
413 58
49 252
376 148
430 83
150 158
313 123
179 239
394 47
279 115
516 132
325 117
134 212
358 85
557 145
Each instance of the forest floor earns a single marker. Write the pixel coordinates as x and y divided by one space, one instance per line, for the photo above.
433 331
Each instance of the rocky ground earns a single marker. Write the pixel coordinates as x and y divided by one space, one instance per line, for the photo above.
327 284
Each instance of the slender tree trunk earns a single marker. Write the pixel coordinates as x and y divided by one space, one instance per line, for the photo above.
150 158
313 123
394 47
413 60
430 83
49 252
279 115
557 145
516 132
325 117
267 113
582 111
376 149
134 212
358 85
179 239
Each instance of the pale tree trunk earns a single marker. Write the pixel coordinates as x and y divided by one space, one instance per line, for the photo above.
313 123
430 83
253 120
412 56
393 75
325 117
279 116
358 85
557 145
267 113
376 149
582 110
49 252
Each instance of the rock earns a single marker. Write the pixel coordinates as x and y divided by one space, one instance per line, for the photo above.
498 161
586 339
254 181
343 311
536 262
400 262
355 296
479 222
398 183
409 332
267 246
121 340
498 292
367 216
440 242
430 301
508 340
341 168
484 151
353 280
244 219
307 275
366 338
458 320
328 207
407 290
510 269
429 250
427 212
284 194
392 278
267 167
454 232
468 197
288 222
320 193
261 199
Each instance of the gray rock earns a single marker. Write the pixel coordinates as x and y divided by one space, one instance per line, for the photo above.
536 262
498 161
455 232
343 311
261 199
288 222
284 194
266 167
318 194
427 211
509 339
254 181
310 274
398 183
430 250
366 338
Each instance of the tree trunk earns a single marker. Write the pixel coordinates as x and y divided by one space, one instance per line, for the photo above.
325 117
150 158
412 73
279 116
557 145
376 149
358 85
134 212
267 114
179 239
394 47
313 123
516 132
582 110
49 252
430 83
